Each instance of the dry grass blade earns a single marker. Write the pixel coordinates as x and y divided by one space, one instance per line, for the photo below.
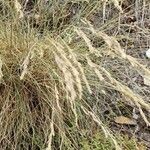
116 3
88 42
1 74
143 116
52 133
25 64
97 72
18 8
104 10
57 98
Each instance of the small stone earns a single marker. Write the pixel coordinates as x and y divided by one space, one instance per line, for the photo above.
148 53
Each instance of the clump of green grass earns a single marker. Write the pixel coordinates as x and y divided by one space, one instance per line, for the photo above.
99 142
54 82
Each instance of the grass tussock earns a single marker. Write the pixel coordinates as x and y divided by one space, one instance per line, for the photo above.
60 73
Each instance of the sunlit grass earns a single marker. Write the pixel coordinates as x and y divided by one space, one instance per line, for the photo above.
56 83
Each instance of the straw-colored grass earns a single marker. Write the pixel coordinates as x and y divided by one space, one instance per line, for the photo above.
56 83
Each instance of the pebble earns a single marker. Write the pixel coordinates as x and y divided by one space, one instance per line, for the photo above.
148 53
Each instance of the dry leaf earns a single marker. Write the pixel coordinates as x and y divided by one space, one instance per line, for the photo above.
125 120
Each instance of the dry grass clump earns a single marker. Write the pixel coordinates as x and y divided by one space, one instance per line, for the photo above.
55 83
41 90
